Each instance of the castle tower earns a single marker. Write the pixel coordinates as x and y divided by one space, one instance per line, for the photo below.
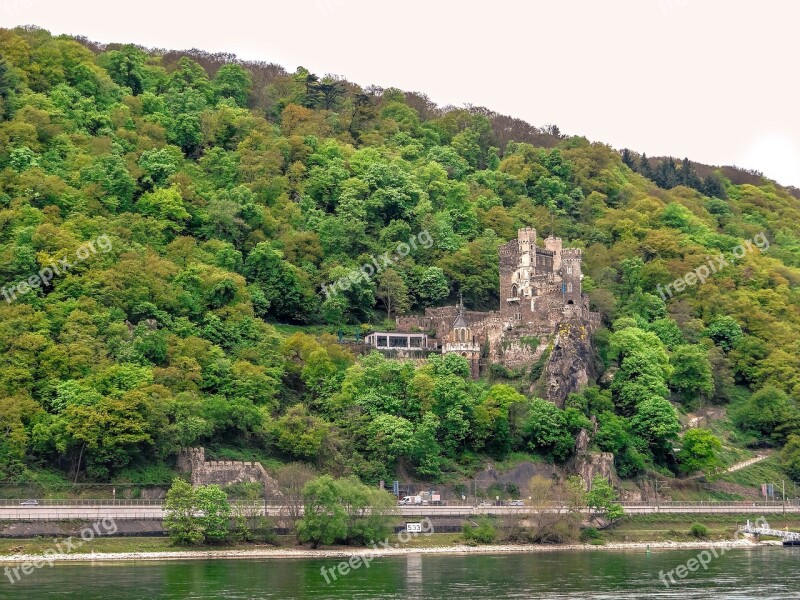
526 238
554 244
509 258
571 275
462 341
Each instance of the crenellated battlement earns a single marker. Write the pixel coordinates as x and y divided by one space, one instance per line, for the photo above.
509 249
222 472
571 254
526 234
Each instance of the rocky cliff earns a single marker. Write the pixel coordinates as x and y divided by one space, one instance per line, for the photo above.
570 366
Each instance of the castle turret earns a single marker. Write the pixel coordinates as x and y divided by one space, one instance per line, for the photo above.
463 342
571 275
526 238
554 244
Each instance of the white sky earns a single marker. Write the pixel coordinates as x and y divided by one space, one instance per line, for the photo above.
714 80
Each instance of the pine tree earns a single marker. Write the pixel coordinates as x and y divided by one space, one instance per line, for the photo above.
644 166
667 174
714 187
627 159
688 176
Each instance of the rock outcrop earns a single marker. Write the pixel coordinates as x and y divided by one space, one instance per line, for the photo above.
520 475
570 366
591 464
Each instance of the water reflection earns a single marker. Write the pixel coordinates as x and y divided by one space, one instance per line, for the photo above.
414 574
761 573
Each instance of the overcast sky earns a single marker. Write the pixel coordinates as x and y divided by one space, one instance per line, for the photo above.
714 80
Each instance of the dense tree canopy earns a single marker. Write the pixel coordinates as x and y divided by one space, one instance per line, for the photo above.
232 196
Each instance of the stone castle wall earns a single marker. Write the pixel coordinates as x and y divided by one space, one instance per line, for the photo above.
440 320
540 291
522 348
223 472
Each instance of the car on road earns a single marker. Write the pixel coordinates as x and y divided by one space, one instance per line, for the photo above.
29 503
411 501
485 503
516 503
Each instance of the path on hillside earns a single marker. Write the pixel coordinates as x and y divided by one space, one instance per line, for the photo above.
746 463
736 467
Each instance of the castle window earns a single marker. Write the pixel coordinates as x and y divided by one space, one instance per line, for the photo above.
514 291
569 288
569 270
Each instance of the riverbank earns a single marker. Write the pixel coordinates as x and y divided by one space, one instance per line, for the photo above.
304 553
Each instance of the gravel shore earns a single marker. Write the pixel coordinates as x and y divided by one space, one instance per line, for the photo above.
268 552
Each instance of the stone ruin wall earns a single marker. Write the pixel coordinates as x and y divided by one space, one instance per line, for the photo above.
223 472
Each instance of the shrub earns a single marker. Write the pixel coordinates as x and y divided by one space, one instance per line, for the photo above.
499 371
589 534
699 530
530 341
484 533
598 542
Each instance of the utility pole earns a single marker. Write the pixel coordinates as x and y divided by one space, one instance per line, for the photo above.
664 486
783 492
658 500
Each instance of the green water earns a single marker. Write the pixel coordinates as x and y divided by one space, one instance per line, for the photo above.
761 573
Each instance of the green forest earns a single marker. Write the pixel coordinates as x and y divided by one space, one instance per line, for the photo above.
169 221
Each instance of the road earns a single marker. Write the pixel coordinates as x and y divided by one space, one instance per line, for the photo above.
155 511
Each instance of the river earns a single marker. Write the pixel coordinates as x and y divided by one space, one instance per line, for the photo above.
762 573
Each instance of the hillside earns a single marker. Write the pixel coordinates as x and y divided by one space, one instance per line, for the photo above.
171 224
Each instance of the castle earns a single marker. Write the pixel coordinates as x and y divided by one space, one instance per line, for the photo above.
540 297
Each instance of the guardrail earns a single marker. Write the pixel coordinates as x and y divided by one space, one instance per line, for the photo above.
736 503
81 502
650 503
43 516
